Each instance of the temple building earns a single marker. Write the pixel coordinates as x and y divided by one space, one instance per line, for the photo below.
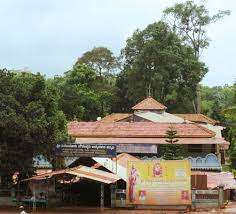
142 132
101 178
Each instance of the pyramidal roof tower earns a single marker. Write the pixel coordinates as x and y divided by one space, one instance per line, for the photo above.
149 104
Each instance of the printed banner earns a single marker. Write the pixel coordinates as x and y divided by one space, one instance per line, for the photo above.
86 150
137 148
159 182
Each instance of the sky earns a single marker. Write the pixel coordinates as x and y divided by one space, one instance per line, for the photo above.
47 36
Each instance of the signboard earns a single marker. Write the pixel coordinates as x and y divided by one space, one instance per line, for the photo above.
86 150
137 148
159 182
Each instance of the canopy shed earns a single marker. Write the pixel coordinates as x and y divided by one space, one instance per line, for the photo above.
82 172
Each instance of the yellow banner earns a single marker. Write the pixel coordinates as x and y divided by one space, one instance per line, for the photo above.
159 182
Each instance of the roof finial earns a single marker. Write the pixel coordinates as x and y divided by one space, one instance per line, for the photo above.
149 90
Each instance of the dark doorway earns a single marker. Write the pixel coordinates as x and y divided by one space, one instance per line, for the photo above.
87 193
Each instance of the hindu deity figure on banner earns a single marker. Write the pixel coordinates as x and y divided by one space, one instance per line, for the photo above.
133 177
157 170
185 195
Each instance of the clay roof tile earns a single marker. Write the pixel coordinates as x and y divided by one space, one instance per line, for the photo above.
149 104
136 130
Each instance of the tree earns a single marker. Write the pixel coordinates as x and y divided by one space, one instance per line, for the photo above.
190 22
216 99
230 118
101 59
30 121
83 94
171 151
156 58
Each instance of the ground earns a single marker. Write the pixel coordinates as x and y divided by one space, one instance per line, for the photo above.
231 208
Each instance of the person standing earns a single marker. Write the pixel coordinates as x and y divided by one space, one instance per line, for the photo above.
132 182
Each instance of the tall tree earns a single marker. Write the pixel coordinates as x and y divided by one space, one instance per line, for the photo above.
30 121
84 94
190 22
215 99
230 117
101 59
156 58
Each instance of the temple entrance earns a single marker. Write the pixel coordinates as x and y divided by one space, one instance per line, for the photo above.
87 193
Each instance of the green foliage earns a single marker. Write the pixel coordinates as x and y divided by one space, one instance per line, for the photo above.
172 151
30 121
162 57
156 58
171 135
100 59
215 99
84 94
230 117
226 168
190 22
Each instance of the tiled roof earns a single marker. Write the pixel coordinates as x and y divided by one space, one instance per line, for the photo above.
115 117
82 172
200 118
150 141
136 129
149 104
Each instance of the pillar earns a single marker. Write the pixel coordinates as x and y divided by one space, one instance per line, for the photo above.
221 196
193 198
102 196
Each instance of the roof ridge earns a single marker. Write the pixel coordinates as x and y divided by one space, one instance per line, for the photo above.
114 117
154 105
199 117
205 129
208 118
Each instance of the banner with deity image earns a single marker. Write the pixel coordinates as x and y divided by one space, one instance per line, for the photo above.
159 182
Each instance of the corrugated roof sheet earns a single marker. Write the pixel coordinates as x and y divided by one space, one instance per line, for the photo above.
81 171
160 118
136 130
149 104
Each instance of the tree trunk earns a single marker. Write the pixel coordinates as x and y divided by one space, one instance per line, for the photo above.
198 99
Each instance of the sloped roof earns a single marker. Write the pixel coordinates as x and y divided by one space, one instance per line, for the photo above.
151 140
198 118
115 117
81 171
136 129
160 118
123 159
149 104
